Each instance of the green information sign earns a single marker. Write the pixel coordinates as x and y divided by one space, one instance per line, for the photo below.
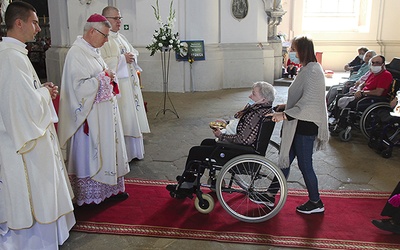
195 51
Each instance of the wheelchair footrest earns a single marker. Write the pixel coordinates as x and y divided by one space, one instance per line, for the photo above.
180 193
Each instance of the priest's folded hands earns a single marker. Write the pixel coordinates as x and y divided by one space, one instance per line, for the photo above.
53 89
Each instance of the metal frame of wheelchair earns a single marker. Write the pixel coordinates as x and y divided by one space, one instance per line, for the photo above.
383 135
370 119
364 118
234 180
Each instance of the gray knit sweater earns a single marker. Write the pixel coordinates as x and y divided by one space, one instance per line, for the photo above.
306 102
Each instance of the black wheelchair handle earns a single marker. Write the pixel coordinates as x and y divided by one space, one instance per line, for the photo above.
276 109
267 118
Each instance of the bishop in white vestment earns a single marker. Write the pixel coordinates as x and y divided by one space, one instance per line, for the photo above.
90 127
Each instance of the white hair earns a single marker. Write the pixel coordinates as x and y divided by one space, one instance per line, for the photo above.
267 91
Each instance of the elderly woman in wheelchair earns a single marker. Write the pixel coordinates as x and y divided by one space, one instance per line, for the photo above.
240 159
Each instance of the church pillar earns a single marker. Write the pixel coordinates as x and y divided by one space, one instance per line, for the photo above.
274 11
66 19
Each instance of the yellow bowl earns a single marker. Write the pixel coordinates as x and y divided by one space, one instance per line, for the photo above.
219 125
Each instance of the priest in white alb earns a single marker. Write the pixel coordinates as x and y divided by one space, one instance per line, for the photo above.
121 57
36 210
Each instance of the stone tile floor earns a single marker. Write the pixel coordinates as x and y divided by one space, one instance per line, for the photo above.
342 166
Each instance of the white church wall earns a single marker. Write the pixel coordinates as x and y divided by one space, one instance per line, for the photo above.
78 14
195 20
67 19
233 59
251 29
201 21
128 9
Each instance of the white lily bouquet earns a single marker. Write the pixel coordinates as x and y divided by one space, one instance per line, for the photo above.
163 38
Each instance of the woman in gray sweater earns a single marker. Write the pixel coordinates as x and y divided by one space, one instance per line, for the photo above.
304 116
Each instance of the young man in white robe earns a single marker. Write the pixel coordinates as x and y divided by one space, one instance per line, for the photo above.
36 210
90 129
121 57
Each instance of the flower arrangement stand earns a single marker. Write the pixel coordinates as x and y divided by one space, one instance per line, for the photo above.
165 59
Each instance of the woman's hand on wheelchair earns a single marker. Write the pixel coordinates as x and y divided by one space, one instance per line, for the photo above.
277 116
279 107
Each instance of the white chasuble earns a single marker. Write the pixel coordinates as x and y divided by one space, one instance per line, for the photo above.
33 180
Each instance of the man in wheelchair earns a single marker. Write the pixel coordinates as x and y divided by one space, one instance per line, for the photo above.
355 79
377 85
208 153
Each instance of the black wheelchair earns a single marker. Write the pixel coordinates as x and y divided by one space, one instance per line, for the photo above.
361 117
365 116
386 136
382 126
240 176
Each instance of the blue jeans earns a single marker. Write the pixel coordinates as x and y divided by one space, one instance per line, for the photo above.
302 148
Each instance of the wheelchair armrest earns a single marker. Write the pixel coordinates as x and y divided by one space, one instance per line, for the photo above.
369 100
229 145
375 98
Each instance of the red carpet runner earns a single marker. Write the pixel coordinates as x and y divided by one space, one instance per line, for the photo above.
150 211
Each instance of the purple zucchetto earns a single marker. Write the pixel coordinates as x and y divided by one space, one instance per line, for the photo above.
96 18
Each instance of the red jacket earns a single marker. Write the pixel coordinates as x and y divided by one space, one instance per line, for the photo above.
292 63
382 80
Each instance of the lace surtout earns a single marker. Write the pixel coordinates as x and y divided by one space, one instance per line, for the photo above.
89 191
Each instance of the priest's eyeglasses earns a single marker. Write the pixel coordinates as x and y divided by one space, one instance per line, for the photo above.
105 35
116 18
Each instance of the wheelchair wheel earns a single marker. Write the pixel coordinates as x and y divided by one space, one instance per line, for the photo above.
206 206
345 135
370 119
387 153
272 152
245 188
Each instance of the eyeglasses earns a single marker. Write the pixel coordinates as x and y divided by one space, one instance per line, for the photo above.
116 18
376 63
105 35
